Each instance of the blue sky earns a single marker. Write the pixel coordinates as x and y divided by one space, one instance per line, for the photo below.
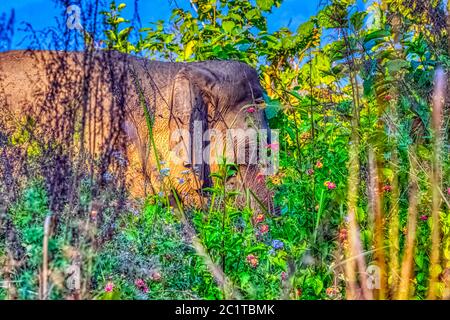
43 13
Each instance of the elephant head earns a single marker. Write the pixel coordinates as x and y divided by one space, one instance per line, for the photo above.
218 116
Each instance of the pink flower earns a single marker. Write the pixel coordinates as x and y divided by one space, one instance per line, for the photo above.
260 178
252 260
387 188
424 218
251 110
388 97
330 185
139 283
264 228
448 191
156 276
310 172
283 276
259 218
109 287
273 146
343 235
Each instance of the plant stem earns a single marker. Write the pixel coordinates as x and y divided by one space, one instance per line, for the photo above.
319 213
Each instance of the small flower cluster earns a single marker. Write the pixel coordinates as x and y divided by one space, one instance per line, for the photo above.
164 172
332 292
277 179
276 245
259 218
260 178
263 229
141 285
387 188
109 287
305 136
343 235
330 185
156 276
252 260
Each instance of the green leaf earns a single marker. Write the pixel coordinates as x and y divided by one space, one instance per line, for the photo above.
420 277
377 35
189 49
279 262
357 19
388 173
253 14
424 153
265 5
125 33
111 35
272 108
368 87
270 38
396 65
245 279
306 29
318 286
228 26
419 261
296 95
120 20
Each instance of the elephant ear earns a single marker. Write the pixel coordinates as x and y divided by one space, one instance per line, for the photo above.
188 123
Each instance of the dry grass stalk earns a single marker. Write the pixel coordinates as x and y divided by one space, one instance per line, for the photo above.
43 290
355 262
436 182
407 263
8 267
375 200
394 227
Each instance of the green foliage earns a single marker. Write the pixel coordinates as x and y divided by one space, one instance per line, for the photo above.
117 38
151 246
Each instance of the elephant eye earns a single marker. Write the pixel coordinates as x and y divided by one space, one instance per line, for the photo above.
259 101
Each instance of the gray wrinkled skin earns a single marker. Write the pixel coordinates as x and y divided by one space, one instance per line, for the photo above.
95 103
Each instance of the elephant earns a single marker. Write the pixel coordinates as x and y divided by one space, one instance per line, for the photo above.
119 109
